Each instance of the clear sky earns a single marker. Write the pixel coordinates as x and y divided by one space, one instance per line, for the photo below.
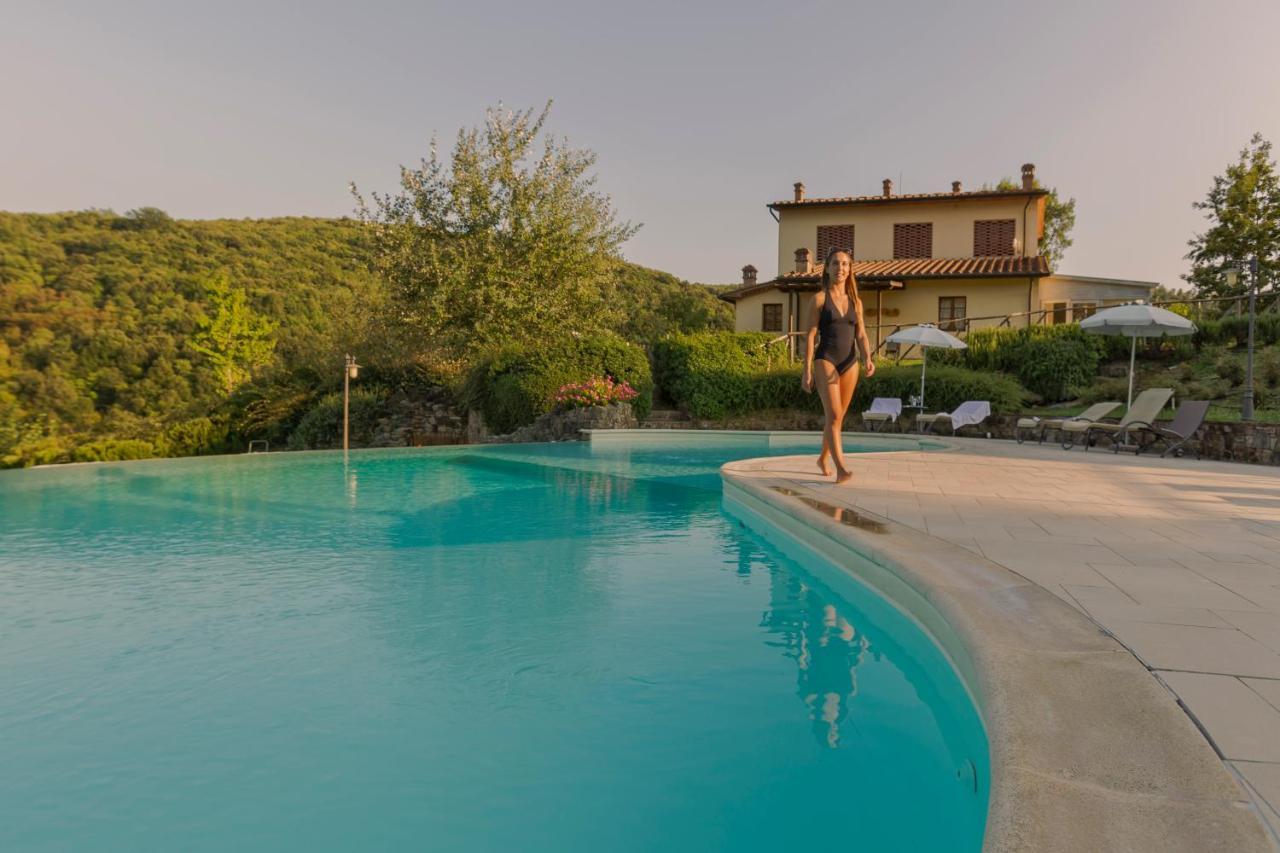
700 112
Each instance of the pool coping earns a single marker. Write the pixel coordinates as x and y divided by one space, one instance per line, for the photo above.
1140 776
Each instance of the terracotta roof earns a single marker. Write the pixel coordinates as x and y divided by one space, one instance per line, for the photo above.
890 199
889 273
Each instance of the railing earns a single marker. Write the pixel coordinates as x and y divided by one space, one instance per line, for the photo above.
1071 314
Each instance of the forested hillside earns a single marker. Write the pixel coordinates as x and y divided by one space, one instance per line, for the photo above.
189 336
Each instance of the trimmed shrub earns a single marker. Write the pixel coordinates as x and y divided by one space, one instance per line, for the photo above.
1047 360
113 450
715 375
511 386
321 427
946 388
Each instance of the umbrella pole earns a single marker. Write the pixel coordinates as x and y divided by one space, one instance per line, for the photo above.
924 365
1133 351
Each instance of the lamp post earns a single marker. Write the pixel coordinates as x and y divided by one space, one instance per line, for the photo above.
1246 402
350 371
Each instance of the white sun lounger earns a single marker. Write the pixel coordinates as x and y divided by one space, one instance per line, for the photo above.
968 413
1039 426
1143 412
884 410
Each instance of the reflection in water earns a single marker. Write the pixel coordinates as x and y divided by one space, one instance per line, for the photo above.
826 647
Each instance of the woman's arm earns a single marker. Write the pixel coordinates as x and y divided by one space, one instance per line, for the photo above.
864 346
811 334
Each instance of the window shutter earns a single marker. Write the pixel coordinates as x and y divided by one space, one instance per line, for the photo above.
993 237
913 240
834 237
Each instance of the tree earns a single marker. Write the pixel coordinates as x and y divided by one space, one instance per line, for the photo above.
1059 219
236 339
505 241
1244 208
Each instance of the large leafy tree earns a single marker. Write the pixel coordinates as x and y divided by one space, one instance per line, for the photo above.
1243 207
508 238
1059 219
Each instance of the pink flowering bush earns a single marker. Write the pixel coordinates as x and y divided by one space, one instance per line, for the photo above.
594 392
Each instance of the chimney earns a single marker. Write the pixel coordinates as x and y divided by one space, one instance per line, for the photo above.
888 187
748 275
955 186
799 188
1028 176
802 260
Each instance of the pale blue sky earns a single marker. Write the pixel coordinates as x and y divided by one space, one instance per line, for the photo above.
700 112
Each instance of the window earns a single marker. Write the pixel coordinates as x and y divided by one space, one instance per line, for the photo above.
993 237
913 240
1081 310
1055 312
834 237
772 317
952 312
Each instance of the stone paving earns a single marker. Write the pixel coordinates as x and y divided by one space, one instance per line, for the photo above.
1178 559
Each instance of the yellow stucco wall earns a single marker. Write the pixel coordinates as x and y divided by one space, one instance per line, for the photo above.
915 303
873 226
749 313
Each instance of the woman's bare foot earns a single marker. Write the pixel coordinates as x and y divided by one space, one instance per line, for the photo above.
823 466
843 476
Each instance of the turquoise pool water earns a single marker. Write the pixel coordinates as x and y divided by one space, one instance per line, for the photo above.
535 648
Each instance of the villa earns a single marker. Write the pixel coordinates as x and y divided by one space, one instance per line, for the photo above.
959 259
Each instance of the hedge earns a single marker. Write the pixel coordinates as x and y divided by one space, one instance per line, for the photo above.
714 376
512 385
1048 360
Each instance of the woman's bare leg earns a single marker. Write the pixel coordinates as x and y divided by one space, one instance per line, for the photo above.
822 457
828 382
848 384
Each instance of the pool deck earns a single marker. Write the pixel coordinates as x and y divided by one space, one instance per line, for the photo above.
1176 561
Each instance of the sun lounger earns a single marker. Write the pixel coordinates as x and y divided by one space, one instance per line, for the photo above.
1143 412
884 410
968 413
1039 426
1186 421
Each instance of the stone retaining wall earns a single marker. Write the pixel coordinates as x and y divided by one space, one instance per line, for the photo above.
556 426
420 418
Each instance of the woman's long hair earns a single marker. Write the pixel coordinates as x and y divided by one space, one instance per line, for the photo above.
850 283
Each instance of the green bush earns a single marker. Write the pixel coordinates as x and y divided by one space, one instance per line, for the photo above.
321 427
193 438
113 450
1098 390
1047 360
1231 369
946 387
40 451
513 385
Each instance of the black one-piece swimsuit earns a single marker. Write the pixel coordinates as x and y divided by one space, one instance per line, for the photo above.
838 337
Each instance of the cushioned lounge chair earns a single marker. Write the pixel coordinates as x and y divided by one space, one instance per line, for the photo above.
968 413
1039 426
1186 421
1143 412
883 411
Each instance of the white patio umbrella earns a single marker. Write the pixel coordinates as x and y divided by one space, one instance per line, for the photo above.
926 335
1137 320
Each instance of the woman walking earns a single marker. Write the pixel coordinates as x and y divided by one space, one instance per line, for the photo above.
835 323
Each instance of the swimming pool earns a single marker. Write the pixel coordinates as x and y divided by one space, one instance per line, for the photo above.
539 647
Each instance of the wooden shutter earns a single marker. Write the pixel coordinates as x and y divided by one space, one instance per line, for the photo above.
772 319
834 237
913 240
993 237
